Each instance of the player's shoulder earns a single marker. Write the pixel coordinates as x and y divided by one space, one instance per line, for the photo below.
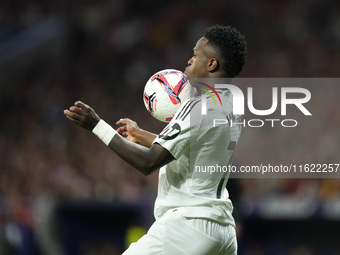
219 102
188 107
196 108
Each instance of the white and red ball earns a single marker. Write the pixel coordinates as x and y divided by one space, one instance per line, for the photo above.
164 92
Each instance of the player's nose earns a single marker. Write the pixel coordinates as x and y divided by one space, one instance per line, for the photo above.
190 62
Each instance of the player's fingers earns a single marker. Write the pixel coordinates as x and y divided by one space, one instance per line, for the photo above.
66 112
119 122
73 115
125 134
81 105
76 109
74 120
123 121
121 129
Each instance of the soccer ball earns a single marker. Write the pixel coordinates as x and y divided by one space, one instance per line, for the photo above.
164 92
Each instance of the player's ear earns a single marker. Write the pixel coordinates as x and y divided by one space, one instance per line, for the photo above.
213 65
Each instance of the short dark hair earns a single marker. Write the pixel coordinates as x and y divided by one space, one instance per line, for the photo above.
232 46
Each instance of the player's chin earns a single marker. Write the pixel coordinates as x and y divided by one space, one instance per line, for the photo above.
187 73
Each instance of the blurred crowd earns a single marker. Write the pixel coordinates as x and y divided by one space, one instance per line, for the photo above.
109 50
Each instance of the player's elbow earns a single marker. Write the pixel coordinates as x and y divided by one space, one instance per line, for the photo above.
147 172
155 158
148 167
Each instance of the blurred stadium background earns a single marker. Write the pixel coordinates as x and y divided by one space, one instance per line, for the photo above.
63 192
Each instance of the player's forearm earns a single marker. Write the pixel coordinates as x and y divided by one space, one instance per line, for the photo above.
146 160
145 138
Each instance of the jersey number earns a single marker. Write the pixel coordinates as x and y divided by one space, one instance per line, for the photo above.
231 146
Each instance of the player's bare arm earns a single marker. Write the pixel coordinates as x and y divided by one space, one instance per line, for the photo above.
132 132
146 160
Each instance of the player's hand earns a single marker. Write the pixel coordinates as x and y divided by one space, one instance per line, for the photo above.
129 130
82 115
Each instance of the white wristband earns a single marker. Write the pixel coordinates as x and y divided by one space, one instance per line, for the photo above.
104 131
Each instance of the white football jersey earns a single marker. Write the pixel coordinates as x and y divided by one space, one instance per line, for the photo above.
198 142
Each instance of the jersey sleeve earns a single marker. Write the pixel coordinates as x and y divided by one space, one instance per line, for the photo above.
175 137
